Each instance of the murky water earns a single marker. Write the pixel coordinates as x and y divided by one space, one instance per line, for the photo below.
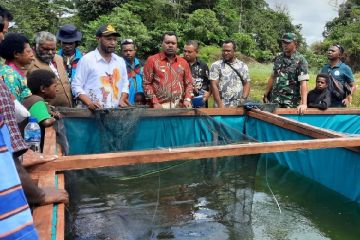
225 198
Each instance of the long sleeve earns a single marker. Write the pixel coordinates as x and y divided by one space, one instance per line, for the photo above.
188 83
148 81
79 79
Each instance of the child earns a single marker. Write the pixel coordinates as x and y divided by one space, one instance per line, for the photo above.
42 84
140 99
320 97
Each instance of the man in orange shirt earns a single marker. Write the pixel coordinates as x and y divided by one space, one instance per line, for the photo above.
167 79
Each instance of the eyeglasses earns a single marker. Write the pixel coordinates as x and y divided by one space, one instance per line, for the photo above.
127 41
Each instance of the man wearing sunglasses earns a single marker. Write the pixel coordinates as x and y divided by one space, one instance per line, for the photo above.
340 71
134 68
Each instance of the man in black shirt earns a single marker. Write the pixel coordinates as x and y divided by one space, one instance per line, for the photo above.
199 72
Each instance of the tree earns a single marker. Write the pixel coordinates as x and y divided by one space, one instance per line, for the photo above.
344 30
203 26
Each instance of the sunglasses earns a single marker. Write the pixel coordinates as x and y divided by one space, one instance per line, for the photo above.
340 48
127 41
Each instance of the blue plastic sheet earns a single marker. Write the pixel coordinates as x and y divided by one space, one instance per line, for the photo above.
335 168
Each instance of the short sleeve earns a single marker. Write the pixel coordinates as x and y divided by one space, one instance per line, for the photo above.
39 111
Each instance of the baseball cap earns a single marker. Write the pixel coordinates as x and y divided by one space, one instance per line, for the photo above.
289 37
106 30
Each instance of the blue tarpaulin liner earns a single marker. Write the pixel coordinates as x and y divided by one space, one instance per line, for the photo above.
335 168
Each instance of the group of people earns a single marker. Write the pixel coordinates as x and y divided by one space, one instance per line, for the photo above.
35 78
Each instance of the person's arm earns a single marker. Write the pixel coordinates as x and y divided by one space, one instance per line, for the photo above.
188 87
268 89
216 93
148 79
124 98
246 90
303 94
77 85
36 195
349 78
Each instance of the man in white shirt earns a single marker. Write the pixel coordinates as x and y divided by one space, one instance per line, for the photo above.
101 78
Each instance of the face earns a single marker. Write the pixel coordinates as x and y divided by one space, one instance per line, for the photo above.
107 43
190 53
140 100
50 92
169 45
46 51
68 48
288 47
333 53
5 30
128 52
321 83
26 57
228 52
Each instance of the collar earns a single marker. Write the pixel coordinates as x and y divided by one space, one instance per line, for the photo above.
13 66
292 55
98 56
164 58
78 54
136 62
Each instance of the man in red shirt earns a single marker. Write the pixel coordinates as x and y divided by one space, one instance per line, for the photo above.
167 78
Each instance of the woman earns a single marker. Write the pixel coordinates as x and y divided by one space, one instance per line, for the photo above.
16 51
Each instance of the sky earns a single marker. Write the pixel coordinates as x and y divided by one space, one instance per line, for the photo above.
311 14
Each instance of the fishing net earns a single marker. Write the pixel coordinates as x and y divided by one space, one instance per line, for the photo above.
204 199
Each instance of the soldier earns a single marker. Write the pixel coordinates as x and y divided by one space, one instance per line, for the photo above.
287 85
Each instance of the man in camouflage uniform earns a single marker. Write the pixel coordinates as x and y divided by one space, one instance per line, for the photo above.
229 78
287 85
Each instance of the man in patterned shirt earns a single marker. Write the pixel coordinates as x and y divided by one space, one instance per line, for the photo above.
287 85
167 79
229 78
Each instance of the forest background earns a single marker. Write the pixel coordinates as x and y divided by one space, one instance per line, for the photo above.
252 24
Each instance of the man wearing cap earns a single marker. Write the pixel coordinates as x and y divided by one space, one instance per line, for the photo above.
134 68
341 72
69 38
287 85
101 78
167 77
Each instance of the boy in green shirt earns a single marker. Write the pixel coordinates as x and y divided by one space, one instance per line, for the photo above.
42 84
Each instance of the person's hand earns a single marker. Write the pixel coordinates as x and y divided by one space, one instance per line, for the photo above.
221 105
157 106
206 96
31 158
53 195
90 104
123 103
187 104
301 109
347 101
265 98
56 115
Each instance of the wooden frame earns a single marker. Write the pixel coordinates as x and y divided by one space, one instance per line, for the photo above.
46 172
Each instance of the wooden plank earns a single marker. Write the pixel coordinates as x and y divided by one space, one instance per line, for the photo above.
151 156
302 128
60 225
43 215
66 112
